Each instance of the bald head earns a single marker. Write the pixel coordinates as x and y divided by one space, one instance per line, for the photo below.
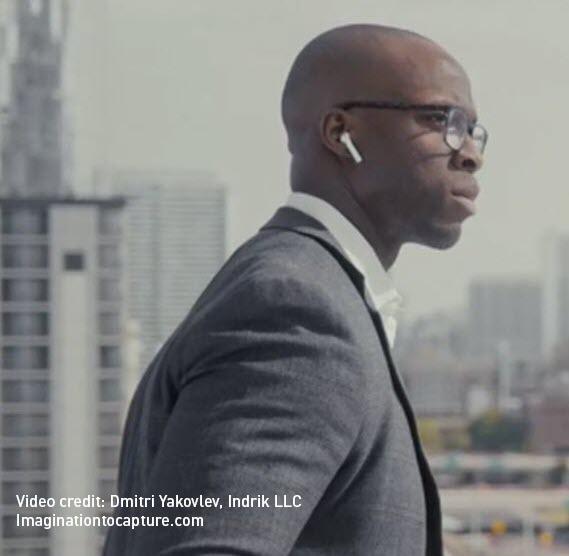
355 62
396 174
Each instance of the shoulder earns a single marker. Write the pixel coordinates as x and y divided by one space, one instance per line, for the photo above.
280 287
283 268
283 302
283 307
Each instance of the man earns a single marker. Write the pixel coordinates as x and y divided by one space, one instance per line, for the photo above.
279 385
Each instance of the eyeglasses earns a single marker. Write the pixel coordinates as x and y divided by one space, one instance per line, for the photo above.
455 120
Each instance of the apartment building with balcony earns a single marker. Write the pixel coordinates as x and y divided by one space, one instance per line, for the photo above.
61 326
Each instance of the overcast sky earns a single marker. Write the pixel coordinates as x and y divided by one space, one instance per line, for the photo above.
196 84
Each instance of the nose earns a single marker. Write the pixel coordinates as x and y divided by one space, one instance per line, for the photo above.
468 157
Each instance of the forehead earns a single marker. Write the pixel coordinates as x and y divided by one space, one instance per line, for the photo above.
423 73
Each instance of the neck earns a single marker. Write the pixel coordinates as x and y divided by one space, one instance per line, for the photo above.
338 192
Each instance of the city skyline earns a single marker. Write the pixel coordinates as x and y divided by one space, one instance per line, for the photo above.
200 89
89 278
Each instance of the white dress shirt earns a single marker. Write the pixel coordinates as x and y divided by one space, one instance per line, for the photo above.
360 253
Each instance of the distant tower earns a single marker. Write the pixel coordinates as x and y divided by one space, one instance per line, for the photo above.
31 60
175 240
555 293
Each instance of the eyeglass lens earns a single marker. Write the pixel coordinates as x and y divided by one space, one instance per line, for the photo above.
457 130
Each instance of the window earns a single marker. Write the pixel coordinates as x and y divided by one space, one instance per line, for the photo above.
109 256
26 552
12 531
25 459
36 6
25 324
25 391
25 425
25 256
109 289
110 357
39 168
106 488
25 357
51 114
109 221
109 390
109 423
11 488
109 457
24 220
42 77
109 323
24 289
73 261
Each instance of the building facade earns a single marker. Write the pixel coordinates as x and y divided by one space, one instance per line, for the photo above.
62 316
505 320
548 412
175 244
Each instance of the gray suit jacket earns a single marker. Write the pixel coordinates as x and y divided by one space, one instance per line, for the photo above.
279 382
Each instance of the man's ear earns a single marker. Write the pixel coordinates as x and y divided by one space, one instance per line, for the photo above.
332 125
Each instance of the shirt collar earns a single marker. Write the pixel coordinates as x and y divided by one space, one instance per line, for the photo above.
360 253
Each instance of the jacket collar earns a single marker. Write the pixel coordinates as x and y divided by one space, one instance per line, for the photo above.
288 218
292 219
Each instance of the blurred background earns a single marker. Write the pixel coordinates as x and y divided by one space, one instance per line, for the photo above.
141 143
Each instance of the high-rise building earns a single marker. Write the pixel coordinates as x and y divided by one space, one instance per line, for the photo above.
505 321
175 244
32 34
555 293
61 326
62 322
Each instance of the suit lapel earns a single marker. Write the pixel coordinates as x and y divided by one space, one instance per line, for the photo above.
288 218
434 541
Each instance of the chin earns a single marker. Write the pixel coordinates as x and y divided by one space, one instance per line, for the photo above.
440 237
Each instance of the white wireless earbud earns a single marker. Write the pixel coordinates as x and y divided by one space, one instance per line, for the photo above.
347 140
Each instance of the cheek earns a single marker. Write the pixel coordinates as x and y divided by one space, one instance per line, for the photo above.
429 150
424 187
429 164
406 177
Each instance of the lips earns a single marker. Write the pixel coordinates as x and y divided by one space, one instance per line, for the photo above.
470 191
466 203
465 196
